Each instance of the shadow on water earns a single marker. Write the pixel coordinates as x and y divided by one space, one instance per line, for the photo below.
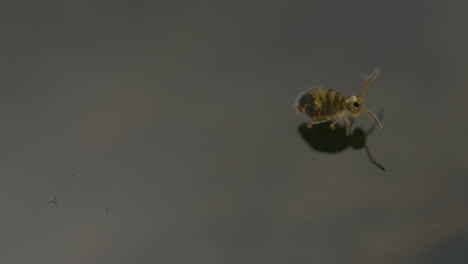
321 138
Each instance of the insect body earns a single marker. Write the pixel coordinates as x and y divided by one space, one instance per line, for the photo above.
323 105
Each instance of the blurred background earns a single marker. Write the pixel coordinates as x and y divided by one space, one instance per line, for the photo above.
164 132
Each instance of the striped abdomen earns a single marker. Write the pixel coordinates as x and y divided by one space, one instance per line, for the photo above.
320 103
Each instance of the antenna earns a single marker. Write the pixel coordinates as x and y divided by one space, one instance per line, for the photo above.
369 80
376 120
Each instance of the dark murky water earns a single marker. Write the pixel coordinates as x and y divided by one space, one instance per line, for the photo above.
166 133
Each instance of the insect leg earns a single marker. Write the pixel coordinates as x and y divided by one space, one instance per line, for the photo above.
348 125
332 125
311 123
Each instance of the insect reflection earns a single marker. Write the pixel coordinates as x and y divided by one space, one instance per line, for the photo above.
322 139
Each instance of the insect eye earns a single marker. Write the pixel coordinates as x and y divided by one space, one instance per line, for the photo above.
356 104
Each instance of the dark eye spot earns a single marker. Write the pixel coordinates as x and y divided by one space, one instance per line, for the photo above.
356 104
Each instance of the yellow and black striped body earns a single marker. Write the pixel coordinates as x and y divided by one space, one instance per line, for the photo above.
321 103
